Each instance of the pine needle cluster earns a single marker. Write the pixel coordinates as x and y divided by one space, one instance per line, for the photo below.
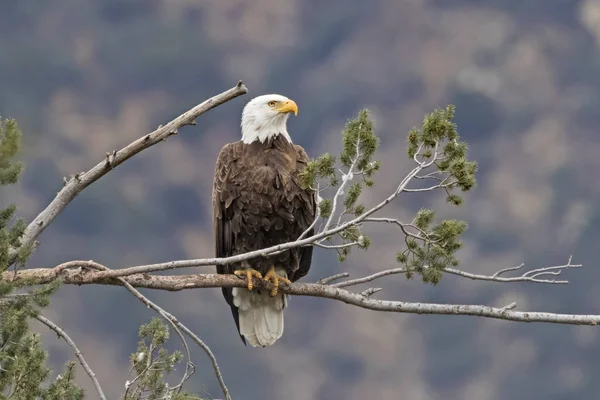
433 247
152 362
438 132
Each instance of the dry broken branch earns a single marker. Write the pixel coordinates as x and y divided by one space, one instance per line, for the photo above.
529 276
77 183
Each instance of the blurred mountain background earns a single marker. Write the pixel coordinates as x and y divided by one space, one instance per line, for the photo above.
84 78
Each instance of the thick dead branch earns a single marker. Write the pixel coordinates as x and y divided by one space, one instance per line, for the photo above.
180 282
75 185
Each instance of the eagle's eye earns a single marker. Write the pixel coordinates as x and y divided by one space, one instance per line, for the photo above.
271 104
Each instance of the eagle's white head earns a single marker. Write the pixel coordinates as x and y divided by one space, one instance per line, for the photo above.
265 117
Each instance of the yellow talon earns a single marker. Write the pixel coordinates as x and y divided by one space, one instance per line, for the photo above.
275 278
249 273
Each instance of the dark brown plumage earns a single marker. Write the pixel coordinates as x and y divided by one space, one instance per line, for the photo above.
258 202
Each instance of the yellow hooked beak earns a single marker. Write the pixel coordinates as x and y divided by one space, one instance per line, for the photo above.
288 106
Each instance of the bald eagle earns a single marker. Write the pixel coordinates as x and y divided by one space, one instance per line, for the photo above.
258 202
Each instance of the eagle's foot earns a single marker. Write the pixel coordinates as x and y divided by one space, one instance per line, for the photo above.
275 278
249 273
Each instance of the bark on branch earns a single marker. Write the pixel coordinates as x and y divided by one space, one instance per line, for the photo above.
83 276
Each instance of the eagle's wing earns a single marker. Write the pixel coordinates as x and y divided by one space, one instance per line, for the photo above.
308 207
222 195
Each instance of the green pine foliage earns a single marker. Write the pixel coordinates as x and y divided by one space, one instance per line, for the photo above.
359 145
322 167
151 363
433 248
428 248
10 144
63 387
438 128
325 208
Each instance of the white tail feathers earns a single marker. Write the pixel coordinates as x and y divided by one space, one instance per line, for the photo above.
261 316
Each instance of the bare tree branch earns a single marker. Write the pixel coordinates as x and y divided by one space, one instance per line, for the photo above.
60 332
529 276
78 182
369 278
430 188
370 291
331 278
336 246
403 226
181 282
75 272
345 179
316 219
